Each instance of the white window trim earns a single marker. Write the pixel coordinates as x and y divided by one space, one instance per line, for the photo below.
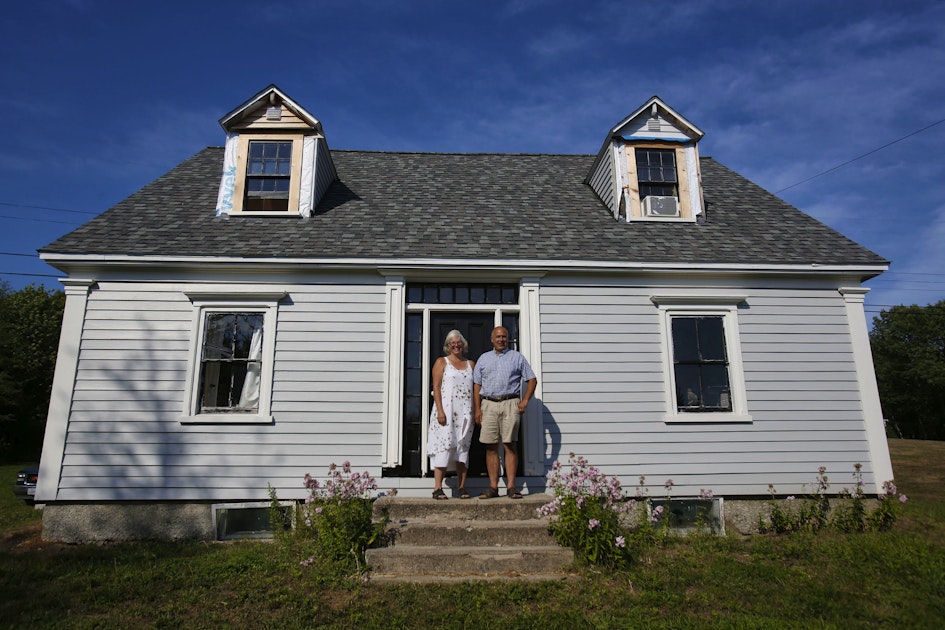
725 306
265 303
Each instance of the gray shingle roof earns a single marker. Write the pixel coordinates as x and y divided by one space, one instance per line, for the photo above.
462 206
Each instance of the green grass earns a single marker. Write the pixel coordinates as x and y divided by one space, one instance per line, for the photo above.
14 513
890 579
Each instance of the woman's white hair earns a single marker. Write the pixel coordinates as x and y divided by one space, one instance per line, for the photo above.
453 334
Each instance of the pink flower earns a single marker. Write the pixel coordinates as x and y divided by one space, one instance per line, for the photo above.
593 524
620 542
903 498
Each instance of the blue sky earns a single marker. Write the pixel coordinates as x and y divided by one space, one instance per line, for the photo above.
101 97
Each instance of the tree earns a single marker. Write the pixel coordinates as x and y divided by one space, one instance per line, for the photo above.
909 354
31 319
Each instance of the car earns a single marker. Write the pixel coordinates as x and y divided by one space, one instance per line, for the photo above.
25 486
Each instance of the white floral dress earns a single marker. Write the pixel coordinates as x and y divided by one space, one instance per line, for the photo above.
450 442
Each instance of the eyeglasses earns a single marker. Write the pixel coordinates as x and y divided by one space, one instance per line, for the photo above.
456 344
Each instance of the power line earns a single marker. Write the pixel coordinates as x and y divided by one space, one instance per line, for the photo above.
23 205
16 254
868 153
30 275
6 216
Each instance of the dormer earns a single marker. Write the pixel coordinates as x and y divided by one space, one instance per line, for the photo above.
276 161
648 167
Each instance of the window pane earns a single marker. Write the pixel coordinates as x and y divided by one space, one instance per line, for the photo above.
715 386
509 295
477 295
688 389
414 323
711 339
413 353
462 295
685 340
218 337
414 378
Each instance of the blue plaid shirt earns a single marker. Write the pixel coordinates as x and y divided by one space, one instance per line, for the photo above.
501 374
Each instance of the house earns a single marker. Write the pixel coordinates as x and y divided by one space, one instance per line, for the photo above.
270 307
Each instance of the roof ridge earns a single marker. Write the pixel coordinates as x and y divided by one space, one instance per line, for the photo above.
464 153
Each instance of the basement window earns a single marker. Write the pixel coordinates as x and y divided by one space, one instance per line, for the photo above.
237 521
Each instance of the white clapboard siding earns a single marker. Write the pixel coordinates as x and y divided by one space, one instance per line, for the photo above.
800 382
125 439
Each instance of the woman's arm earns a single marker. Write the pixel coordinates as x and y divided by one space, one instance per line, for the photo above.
438 368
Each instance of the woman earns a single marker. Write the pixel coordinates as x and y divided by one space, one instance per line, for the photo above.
451 424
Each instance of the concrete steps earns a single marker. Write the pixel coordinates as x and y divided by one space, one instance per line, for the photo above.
470 539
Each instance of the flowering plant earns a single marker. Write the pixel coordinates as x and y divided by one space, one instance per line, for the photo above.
586 513
335 522
848 513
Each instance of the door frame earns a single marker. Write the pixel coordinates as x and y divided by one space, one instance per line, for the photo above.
532 451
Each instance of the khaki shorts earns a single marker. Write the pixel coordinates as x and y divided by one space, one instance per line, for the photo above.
499 419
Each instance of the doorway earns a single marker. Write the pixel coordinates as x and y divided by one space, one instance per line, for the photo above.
432 310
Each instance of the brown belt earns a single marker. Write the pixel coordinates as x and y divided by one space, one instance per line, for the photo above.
501 398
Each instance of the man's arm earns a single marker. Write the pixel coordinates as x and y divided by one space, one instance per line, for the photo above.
530 386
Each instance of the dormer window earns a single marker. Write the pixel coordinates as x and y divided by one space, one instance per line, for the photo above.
268 175
648 168
276 161
656 172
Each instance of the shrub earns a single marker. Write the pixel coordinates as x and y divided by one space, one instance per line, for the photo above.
586 513
334 525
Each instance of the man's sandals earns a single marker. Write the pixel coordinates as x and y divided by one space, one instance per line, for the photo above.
491 493
439 495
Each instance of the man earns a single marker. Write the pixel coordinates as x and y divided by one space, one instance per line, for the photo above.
497 408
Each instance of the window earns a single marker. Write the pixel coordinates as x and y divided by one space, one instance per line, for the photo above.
656 172
230 377
230 363
702 358
268 175
700 364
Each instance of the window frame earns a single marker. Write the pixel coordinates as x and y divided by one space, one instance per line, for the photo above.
633 201
726 307
266 304
242 163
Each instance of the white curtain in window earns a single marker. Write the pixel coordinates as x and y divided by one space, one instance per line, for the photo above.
249 399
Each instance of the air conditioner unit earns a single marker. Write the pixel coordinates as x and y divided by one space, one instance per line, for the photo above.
655 206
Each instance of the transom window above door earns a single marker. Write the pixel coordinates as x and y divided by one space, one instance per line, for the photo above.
429 293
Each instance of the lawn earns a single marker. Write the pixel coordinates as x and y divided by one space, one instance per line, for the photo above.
894 579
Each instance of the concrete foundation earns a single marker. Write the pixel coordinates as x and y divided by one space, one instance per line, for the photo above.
118 522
